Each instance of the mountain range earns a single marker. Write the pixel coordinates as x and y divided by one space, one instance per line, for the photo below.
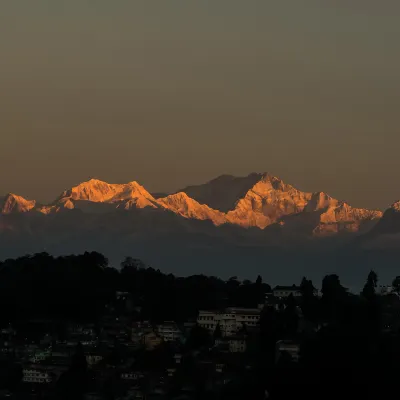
258 212
258 200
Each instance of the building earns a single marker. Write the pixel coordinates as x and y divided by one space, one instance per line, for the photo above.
230 320
231 344
139 329
169 331
151 340
36 374
384 290
237 344
288 347
82 329
93 358
131 375
286 291
42 373
94 355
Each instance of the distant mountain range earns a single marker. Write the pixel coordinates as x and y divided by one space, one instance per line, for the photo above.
257 200
258 211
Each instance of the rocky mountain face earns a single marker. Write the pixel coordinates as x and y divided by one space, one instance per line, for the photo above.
390 221
181 204
222 193
261 200
385 234
12 203
258 200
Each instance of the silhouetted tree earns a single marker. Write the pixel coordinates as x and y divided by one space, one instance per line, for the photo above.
290 318
73 383
333 295
369 288
217 332
269 334
198 337
396 284
259 289
309 302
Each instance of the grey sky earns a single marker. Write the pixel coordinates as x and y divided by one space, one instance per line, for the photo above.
172 93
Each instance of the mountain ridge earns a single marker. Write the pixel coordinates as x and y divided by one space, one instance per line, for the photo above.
268 227
257 200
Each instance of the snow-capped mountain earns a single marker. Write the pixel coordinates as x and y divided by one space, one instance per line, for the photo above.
231 224
181 204
11 203
261 200
98 191
258 200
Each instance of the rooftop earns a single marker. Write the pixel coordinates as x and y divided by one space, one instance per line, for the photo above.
293 287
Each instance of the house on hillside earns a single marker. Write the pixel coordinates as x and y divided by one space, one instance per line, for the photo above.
151 340
230 320
169 331
286 291
138 329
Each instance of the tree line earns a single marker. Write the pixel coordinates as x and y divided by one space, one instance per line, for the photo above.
80 287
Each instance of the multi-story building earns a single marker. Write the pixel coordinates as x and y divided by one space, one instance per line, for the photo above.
36 374
169 331
139 329
42 373
237 344
231 344
286 291
151 340
230 320
132 375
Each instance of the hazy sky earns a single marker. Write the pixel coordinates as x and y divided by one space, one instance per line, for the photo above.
172 93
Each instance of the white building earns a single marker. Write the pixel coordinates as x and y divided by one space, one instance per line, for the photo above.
169 331
237 344
42 373
229 320
286 291
131 375
36 374
384 290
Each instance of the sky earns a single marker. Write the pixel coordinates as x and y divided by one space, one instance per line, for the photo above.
171 93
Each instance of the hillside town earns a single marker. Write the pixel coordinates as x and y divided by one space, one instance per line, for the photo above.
134 359
93 332
127 358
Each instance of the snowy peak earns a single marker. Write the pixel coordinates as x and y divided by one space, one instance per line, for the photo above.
395 206
93 190
11 203
180 203
266 201
320 201
131 194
